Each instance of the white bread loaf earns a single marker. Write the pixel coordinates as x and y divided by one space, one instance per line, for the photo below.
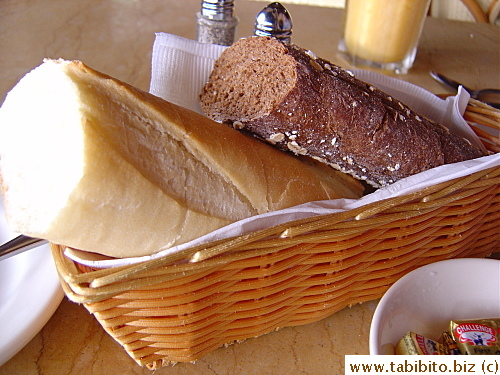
92 163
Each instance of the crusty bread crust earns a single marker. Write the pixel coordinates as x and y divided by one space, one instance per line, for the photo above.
311 107
93 163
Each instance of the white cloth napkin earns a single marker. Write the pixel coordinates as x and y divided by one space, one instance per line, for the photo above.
180 68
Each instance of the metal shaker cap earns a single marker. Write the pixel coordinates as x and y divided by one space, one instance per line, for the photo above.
217 9
275 21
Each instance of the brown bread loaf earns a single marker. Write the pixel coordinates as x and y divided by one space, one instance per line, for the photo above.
304 104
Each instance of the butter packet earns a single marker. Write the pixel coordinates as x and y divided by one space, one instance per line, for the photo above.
414 344
449 344
476 337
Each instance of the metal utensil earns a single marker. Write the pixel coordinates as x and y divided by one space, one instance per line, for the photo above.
489 96
19 245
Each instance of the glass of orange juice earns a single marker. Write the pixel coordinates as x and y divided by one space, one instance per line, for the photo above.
383 34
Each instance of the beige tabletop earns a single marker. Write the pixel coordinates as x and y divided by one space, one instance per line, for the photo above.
116 37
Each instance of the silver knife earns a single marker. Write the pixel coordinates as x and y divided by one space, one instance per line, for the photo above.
19 245
484 95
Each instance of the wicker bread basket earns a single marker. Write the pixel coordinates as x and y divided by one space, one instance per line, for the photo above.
180 307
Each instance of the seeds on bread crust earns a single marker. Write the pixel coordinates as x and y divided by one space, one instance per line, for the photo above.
338 119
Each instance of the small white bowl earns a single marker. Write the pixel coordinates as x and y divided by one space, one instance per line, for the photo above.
426 299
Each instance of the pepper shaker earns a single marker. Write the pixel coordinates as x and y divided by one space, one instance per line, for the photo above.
275 21
216 22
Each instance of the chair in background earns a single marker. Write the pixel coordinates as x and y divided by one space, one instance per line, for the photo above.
485 11
482 11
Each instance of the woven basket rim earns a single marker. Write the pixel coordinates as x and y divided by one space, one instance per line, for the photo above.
272 239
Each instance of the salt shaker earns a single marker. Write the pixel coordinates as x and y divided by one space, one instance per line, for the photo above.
275 21
216 22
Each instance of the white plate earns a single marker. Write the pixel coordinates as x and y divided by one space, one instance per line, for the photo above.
426 299
30 293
